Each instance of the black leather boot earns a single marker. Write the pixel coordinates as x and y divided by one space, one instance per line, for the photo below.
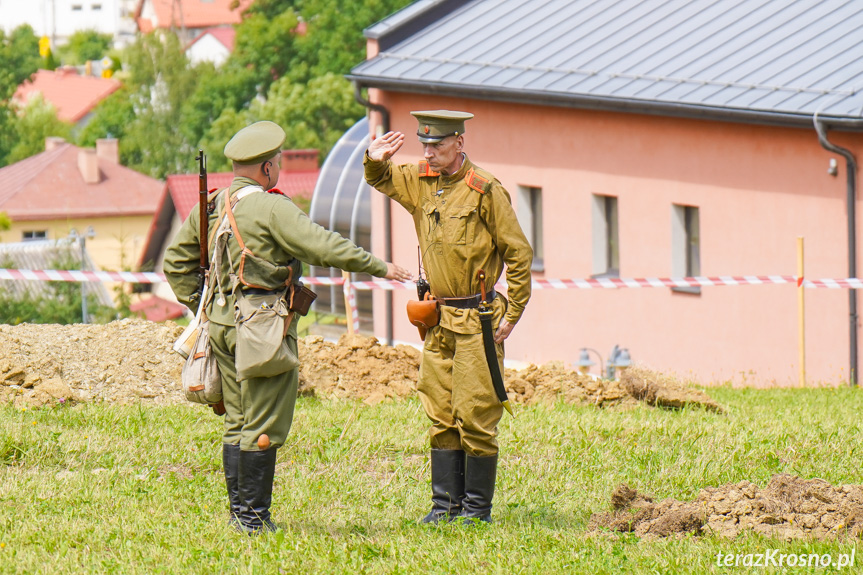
231 464
479 477
447 478
257 469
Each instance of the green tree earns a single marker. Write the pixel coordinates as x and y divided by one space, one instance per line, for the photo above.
37 121
265 45
85 45
314 114
217 135
111 119
333 41
19 59
230 87
168 108
148 113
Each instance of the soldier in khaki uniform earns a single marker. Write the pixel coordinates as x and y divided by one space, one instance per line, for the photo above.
464 222
259 411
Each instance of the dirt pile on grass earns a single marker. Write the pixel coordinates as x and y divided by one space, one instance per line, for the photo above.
119 362
552 381
129 360
788 508
357 367
661 390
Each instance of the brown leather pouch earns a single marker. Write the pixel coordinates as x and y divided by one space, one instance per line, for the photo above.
301 299
424 314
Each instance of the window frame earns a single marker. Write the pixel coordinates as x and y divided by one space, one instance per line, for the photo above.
606 236
35 235
686 245
529 214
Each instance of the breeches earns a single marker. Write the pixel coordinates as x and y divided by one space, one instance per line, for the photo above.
257 405
457 393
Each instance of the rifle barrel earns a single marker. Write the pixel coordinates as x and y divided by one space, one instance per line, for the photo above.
202 210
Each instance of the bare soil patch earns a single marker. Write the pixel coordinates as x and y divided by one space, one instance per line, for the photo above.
663 390
787 508
131 360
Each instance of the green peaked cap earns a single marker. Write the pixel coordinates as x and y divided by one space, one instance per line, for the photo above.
435 125
256 143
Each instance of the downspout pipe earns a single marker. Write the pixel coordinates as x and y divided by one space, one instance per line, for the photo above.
851 207
388 213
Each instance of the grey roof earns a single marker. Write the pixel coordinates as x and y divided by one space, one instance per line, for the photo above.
759 60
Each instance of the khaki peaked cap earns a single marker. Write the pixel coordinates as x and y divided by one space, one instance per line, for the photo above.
435 125
256 143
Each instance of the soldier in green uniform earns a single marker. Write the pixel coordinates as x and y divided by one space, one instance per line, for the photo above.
464 223
258 411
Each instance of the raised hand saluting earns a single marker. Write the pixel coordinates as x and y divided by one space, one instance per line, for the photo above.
383 147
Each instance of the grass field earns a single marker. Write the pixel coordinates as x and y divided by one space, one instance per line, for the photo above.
135 489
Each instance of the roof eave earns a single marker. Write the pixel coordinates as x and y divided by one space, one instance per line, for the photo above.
594 102
410 20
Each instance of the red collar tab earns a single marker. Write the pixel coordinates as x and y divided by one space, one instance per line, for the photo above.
424 170
276 191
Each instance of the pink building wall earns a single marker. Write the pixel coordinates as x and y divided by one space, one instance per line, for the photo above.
757 188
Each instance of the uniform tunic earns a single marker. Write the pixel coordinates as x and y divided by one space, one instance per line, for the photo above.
276 231
464 222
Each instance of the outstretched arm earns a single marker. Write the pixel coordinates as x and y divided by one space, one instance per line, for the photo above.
398 273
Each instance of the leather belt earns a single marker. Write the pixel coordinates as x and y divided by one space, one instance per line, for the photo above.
261 291
469 302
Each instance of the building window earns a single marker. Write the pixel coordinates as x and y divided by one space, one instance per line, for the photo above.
686 244
95 7
606 244
529 213
77 7
31 235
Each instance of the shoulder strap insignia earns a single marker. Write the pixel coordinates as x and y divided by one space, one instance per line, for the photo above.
425 171
477 182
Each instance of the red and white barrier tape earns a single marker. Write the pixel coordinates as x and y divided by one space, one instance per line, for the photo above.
82 276
590 283
351 298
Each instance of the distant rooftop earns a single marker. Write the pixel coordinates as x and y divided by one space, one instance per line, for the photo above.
225 35
761 60
51 185
73 96
153 14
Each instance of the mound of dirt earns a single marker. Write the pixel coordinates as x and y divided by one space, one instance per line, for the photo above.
552 381
130 360
357 367
663 390
119 362
788 508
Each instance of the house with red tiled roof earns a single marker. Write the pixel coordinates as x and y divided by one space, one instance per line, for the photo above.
212 45
179 197
189 17
69 188
74 96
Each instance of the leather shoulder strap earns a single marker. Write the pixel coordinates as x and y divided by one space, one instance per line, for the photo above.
233 221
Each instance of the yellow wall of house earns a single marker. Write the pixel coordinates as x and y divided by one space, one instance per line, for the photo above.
117 245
